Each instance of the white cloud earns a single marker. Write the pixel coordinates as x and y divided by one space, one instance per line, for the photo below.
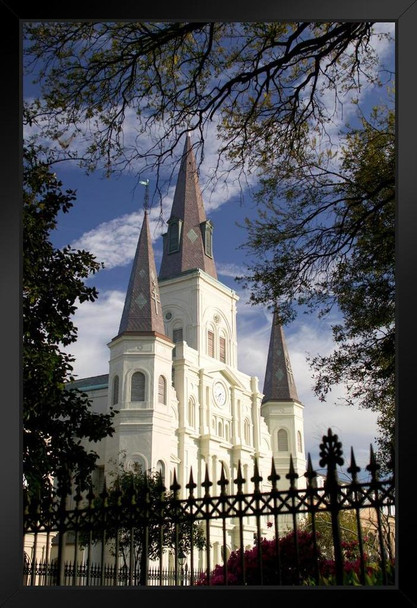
114 243
229 270
97 323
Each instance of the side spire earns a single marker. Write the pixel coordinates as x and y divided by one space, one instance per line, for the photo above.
279 384
188 241
142 310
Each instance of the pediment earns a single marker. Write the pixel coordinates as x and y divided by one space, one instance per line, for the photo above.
231 378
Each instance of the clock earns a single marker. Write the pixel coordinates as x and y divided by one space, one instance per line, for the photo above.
219 393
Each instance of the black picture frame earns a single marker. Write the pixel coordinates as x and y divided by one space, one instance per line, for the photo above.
12 15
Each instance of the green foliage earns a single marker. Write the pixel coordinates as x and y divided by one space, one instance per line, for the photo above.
348 533
142 499
261 82
325 237
55 418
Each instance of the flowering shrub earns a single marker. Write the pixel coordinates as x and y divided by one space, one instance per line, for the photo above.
295 572
270 575
352 568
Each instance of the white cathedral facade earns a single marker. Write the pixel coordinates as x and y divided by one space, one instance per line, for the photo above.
173 372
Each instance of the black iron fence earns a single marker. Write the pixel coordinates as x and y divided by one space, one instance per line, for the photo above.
47 574
306 534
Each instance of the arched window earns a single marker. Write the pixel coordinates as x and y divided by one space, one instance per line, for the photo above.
282 440
210 343
191 412
299 442
162 390
160 467
115 396
220 429
226 431
222 348
137 392
246 430
136 464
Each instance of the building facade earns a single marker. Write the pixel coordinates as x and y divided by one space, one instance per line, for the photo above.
173 375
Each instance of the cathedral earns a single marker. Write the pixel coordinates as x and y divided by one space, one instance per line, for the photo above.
173 372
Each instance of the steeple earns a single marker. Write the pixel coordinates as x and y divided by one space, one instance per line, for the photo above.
188 241
279 382
142 311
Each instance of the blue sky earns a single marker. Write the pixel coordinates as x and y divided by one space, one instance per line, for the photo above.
106 219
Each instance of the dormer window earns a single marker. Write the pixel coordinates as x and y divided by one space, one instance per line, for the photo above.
207 231
174 234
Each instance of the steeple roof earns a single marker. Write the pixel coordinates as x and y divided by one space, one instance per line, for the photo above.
279 382
142 310
188 217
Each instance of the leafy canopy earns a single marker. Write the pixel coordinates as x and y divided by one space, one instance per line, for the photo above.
133 495
263 84
55 418
325 238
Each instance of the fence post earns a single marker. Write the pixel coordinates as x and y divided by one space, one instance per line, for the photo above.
61 540
373 469
331 456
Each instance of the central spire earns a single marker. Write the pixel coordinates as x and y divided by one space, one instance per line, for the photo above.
188 241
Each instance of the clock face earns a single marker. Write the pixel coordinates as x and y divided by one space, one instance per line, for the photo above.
219 393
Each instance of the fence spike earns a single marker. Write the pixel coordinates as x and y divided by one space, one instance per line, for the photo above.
239 481
310 474
175 486
104 495
256 479
223 482
353 469
273 477
373 467
207 483
191 485
291 475
78 498
90 496
117 491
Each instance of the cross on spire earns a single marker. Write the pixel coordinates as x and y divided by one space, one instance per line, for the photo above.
155 294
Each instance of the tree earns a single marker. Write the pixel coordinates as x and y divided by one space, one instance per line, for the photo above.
154 530
263 84
348 533
56 418
326 238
